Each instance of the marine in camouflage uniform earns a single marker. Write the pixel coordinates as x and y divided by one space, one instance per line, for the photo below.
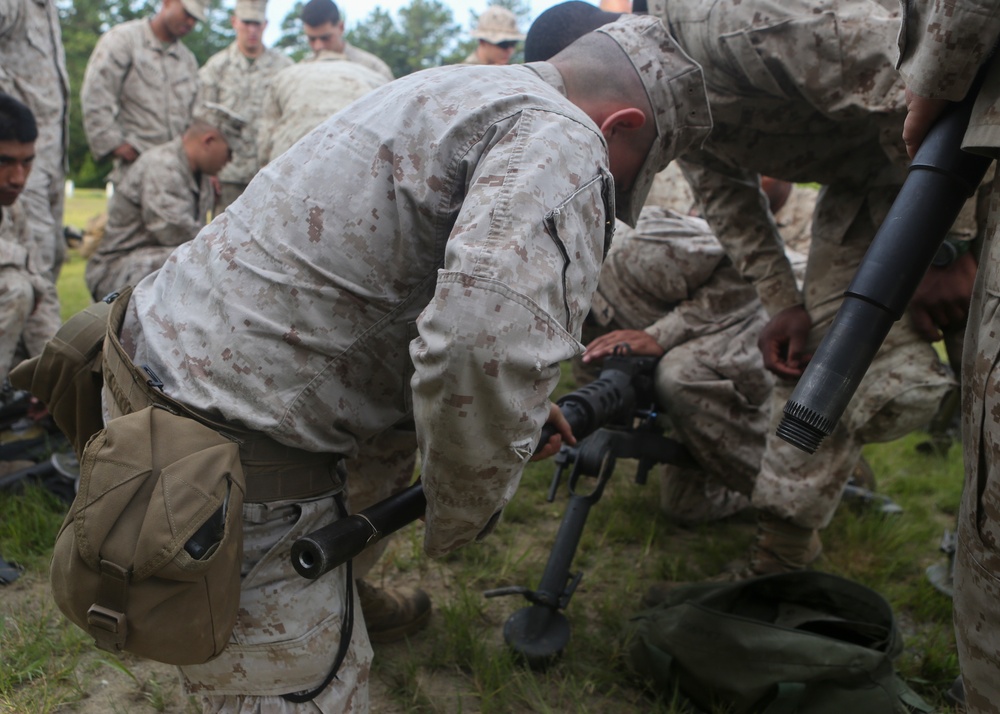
33 70
807 93
304 95
162 203
236 80
670 279
447 290
941 48
137 90
324 29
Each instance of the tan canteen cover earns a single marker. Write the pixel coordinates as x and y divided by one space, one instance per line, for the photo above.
120 571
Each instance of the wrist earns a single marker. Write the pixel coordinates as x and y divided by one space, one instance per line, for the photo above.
949 251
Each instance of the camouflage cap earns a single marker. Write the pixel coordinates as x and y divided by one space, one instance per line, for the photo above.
195 8
229 123
497 24
251 10
675 86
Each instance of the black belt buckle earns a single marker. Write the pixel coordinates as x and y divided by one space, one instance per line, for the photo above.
153 381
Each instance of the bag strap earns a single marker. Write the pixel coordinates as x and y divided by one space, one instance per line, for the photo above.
346 631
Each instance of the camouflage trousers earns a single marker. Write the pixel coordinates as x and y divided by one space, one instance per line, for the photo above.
715 392
900 392
977 566
288 629
105 274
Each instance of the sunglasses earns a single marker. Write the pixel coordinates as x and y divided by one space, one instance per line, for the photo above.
506 44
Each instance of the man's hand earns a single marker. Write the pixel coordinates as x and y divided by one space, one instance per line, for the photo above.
639 343
921 113
216 186
563 431
126 152
942 298
782 341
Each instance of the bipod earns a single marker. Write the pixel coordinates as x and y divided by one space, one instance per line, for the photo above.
540 632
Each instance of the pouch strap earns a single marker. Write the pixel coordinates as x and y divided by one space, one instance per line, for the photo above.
273 471
106 621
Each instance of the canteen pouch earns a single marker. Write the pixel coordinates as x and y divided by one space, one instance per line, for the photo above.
155 487
66 376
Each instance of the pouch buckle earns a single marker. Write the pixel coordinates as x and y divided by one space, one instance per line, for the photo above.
107 627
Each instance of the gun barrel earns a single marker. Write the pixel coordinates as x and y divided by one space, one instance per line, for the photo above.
586 410
942 177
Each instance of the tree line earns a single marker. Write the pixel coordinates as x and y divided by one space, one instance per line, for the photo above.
422 34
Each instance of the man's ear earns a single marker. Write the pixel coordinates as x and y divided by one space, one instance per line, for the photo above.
628 118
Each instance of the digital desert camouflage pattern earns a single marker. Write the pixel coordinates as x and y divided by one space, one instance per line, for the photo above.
367 59
670 277
454 221
288 628
33 70
799 91
304 95
159 205
240 84
135 90
29 306
806 92
448 289
944 46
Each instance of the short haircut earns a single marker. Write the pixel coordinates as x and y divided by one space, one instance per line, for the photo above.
320 12
17 123
560 26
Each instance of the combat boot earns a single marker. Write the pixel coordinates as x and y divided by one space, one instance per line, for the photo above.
689 498
780 546
392 614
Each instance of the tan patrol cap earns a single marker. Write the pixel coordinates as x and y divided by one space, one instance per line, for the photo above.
228 122
675 86
251 10
496 25
196 8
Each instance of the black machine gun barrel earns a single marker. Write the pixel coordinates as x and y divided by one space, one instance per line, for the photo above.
586 409
941 178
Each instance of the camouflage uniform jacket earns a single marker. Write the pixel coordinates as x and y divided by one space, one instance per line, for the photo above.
137 91
15 238
799 90
304 95
447 289
241 84
33 69
356 54
673 276
160 203
941 49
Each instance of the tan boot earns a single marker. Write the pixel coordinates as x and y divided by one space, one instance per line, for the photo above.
391 615
690 499
782 547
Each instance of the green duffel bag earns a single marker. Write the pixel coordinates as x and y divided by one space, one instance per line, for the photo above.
806 643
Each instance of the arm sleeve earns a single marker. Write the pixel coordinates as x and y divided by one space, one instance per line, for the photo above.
99 97
168 209
209 80
942 44
520 267
269 115
736 209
